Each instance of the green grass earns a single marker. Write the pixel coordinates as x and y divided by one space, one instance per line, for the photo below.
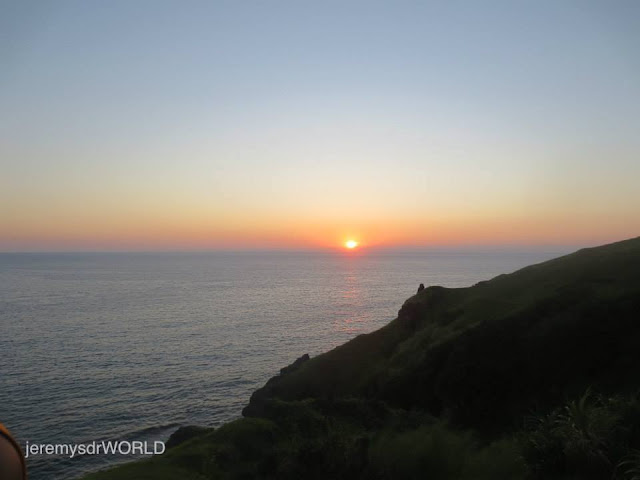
439 453
146 470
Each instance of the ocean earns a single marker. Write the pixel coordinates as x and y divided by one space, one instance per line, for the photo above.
128 346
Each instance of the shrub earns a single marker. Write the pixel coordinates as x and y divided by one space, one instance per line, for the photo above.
438 452
589 438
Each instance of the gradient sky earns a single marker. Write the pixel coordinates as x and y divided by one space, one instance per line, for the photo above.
194 125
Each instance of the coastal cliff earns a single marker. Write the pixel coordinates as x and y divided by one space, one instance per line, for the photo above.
528 375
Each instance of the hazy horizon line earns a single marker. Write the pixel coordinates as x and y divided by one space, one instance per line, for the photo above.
339 250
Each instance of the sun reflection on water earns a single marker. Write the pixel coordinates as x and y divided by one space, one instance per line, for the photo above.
351 314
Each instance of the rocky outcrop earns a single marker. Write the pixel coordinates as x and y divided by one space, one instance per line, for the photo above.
185 433
295 365
258 398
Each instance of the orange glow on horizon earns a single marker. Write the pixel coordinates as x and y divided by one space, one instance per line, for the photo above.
98 229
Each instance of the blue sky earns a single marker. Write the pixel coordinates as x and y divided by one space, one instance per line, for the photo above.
213 124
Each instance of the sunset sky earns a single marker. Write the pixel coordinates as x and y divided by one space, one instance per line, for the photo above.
154 125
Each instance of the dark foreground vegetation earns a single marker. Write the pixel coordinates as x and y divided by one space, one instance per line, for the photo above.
532 375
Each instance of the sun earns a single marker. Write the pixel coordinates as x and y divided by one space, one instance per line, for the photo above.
351 244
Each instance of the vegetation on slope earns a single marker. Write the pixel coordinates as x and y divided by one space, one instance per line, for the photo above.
481 382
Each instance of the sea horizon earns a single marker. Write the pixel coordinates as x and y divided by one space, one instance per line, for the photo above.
479 248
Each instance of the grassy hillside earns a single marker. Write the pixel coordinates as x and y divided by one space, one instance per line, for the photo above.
528 375
506 345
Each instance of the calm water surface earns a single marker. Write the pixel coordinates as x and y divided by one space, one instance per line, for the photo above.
129 346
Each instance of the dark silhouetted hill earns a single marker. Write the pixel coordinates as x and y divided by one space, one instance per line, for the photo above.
533 374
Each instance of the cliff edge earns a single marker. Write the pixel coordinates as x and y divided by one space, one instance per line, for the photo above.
528 375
